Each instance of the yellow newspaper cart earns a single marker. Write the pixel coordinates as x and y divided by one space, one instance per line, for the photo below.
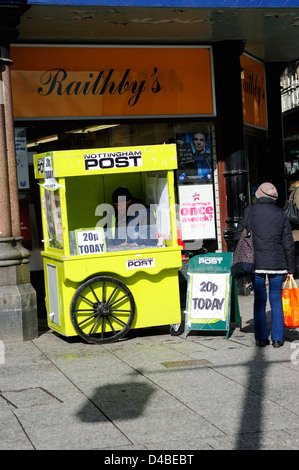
104 275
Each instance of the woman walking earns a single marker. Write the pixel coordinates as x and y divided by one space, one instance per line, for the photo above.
274 256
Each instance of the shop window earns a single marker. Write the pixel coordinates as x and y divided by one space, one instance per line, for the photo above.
196 176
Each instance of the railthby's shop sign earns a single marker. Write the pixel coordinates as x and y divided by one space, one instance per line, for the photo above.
253 92
61 81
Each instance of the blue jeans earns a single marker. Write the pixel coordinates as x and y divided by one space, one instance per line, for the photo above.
260 300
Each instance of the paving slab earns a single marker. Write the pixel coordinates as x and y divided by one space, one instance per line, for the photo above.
151 392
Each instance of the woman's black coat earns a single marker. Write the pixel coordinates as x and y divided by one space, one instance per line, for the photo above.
272 236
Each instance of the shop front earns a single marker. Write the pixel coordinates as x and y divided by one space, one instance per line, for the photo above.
116 78
84 97
96 97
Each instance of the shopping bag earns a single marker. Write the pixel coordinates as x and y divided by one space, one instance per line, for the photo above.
290 303
243 257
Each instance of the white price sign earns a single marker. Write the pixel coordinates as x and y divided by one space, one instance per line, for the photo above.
208 296
90 241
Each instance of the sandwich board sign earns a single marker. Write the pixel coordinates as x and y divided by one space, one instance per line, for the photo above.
211 293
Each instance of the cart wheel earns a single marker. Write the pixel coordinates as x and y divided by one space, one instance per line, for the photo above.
176 329
102 310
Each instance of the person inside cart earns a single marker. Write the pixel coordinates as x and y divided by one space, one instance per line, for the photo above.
133 223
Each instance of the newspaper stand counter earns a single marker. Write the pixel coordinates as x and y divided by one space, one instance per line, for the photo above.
96 288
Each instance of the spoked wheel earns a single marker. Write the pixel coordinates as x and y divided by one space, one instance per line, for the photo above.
102 310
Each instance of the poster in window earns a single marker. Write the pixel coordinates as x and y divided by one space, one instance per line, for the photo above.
22 162
194 157
197 212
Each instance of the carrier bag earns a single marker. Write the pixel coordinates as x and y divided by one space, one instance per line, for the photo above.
290 303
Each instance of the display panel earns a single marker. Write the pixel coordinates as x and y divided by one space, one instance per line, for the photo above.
133 212
194 157
51 203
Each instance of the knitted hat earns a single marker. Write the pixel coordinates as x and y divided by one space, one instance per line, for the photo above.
266 190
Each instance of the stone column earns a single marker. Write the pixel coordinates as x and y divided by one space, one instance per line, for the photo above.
18 312
11 163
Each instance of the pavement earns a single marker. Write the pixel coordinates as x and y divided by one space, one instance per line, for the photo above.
151 395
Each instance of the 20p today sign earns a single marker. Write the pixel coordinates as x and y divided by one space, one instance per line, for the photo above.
208 296
212 294
90 241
